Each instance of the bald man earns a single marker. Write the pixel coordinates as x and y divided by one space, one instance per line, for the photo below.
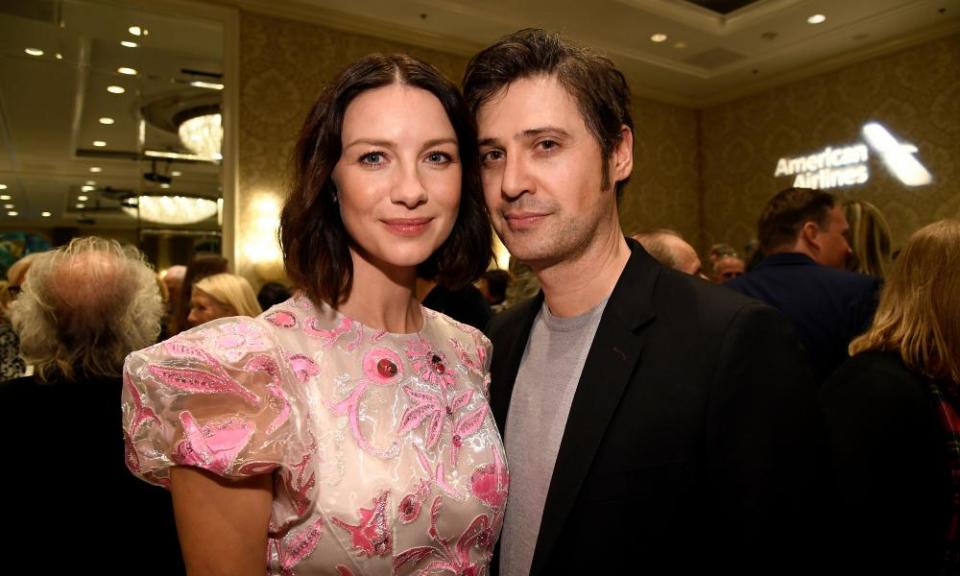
670 249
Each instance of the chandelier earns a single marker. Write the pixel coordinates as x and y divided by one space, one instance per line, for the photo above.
202 135
174 210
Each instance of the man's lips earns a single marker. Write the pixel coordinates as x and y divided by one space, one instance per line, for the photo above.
407 226
520 220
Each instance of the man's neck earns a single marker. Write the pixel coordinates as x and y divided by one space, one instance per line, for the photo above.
573 287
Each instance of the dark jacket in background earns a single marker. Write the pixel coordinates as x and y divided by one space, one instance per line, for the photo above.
828 307
890 486
465 305
72 507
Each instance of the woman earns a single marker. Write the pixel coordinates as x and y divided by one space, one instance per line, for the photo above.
220 296
892 417
869 239
347 430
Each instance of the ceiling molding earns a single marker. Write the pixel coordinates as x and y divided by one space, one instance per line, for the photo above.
707 20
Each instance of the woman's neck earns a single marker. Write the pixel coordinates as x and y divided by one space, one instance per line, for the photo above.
383 297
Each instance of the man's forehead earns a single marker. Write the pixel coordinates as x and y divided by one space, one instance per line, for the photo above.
529 103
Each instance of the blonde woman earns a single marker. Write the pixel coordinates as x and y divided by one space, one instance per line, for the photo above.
891 413
221 296
869 239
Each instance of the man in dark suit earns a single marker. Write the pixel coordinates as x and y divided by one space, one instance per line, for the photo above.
654 423
804 232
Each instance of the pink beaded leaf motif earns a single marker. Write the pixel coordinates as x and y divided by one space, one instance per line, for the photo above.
213 446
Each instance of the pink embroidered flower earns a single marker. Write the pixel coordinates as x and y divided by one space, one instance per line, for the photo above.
490 482
314 327
427 407
233 340
382 366
299 546
213 446
372 535
409 509
430 365
303 367
282 319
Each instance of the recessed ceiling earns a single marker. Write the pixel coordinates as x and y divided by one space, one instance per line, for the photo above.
55 145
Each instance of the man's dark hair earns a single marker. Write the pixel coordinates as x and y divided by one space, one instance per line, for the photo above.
497 282
786 213
316 244
599 89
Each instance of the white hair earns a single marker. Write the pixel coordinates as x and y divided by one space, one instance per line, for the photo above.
84 307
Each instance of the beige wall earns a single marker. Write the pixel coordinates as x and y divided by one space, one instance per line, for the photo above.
915 93
283 66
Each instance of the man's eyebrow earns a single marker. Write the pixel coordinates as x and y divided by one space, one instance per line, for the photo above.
527 134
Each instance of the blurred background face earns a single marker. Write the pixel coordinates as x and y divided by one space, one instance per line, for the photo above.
204 308
834 247
398 177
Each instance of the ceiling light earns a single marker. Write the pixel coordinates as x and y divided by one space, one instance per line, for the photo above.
202 135
4 196
164 185
176 173
3 186
87 188
82 198
58 56
210 85
9 206
81 206
34 51
96 169
175 156
680 45
171 209
13 213
46 214
116 89
106 120
127 71
817 19
99 143
128 44
90 183
135 30
658 38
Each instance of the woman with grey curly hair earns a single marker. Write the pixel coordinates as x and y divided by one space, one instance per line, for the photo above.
82 309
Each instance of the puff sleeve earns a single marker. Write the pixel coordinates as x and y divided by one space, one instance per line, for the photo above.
221 397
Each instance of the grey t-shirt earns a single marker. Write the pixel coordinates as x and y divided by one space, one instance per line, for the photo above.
546 383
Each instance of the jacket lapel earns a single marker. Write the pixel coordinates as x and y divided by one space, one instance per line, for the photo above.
608 370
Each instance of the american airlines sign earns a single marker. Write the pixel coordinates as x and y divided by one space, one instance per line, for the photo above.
841 166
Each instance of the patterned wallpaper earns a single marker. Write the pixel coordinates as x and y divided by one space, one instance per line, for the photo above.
915 93
284 64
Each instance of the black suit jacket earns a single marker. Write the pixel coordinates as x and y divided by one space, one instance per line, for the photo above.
693 442
828 307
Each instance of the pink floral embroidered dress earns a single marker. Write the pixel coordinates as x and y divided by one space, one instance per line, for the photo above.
385 456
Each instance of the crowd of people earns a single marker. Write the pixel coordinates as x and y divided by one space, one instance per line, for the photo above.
400 408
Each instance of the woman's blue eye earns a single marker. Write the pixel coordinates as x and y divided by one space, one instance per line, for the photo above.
372 158
439 158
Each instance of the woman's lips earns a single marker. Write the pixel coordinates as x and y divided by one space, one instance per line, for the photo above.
407 226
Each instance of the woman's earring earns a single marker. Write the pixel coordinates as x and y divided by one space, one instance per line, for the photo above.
335 194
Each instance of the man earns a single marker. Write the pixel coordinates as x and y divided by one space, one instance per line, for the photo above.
671 250
804 232
727 268
654 423
82 309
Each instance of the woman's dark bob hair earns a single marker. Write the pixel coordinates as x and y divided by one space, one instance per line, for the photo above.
315 243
